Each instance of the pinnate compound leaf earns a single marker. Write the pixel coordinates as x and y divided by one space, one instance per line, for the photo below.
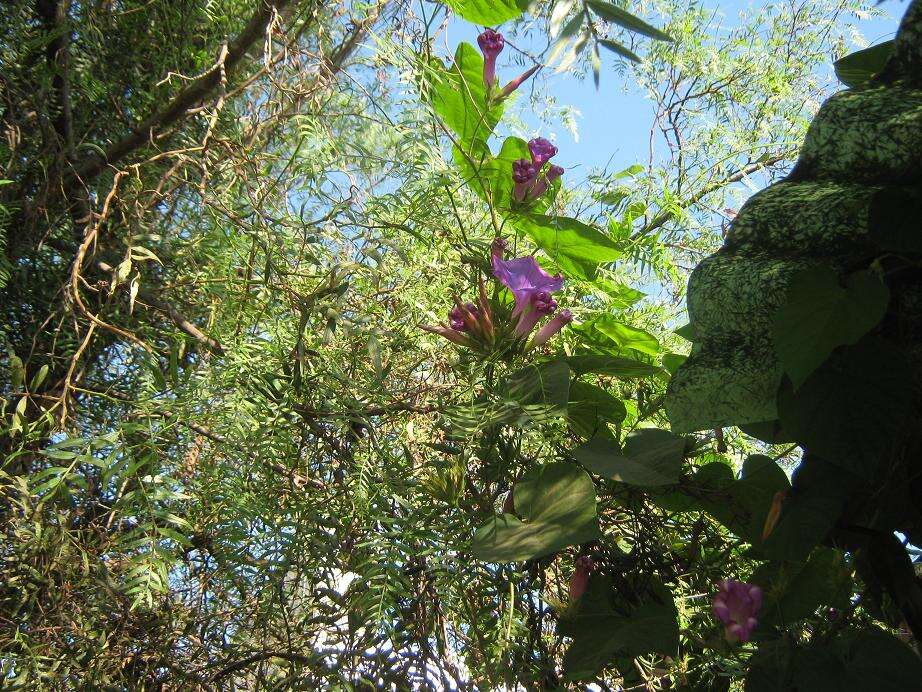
488 12
819 315
650 457
623 18
558 509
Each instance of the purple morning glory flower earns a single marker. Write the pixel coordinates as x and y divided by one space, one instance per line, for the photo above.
456 318
736 606
524 278
541 305
491 44
541 151
560 320
524 174
554 172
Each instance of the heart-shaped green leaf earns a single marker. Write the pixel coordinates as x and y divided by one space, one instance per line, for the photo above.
820 315
488 12
650 457
557 506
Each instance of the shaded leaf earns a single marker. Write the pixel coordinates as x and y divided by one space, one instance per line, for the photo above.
856 69
853 408
557 505
819 315
650 457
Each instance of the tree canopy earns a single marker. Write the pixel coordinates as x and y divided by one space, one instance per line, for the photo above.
326 365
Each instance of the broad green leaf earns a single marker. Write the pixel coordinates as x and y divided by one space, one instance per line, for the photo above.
577 248
530 395
741 505
460 97
893 220
616 15
488 12
547 384
819 315
862 660
853 408
794 591
672 361
879 656
603 364
650 457
600 634
625 336
686 331
591 408
810 510
856 69
557 505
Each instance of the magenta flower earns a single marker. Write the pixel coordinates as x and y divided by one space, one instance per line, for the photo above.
524 174
517 82
580 578
491 45
450 334
736 606
559 321
456 318
498 248
524 278
541 151
541 305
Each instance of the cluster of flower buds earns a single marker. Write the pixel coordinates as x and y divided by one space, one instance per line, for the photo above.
473 325
530 178
491 45
736 606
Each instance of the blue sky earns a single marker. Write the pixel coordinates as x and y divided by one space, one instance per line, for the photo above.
614 122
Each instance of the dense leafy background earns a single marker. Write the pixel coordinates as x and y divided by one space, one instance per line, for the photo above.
232 458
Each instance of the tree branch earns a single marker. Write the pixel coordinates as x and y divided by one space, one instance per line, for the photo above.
666 216
188 97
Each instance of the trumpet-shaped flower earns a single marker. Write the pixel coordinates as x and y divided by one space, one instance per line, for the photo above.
541 305
541 150
517 82
525 278
736 606
558 322
491 45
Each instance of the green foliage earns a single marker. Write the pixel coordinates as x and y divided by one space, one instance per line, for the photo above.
819 315
856 69
650 457
232 459
558 509
488 12
600 632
